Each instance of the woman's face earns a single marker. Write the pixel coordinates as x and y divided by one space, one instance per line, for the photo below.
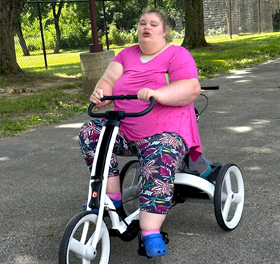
150 28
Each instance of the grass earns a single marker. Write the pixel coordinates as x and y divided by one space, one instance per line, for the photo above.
43 97
57 64
47 106
226 55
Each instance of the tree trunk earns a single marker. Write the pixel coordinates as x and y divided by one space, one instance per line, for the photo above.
9 14
21 39
228 11
194 25
56 23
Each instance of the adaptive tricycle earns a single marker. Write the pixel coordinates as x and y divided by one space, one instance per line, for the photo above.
87 239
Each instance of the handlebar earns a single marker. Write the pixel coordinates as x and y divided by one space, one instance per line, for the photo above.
120 114
210 87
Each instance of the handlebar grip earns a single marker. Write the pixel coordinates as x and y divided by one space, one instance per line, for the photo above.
210 87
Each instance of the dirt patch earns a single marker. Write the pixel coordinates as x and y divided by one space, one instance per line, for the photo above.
69 85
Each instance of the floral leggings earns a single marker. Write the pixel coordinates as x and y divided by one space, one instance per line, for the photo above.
159 156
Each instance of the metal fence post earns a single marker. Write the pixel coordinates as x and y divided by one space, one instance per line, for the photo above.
105 25
42 35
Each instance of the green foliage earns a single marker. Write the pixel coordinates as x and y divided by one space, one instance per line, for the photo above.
120 37
75 30
173 34
75 26
214 32
121 17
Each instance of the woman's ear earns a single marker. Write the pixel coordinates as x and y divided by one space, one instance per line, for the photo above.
165 32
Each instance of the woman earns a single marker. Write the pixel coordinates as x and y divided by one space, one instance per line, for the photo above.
162 138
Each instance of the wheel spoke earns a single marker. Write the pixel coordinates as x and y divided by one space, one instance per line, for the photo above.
127 192
85 261
224 196
84 233
136 175
226 208
228 183
101 233
130 178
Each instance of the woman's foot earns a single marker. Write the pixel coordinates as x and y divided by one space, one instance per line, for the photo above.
154 245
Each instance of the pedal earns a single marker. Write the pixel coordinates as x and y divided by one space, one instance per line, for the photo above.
141 251
165 237
131 232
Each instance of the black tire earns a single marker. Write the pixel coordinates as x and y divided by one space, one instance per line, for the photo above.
229 197
130 178
72 234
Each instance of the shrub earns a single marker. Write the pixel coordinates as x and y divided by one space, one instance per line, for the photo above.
119 36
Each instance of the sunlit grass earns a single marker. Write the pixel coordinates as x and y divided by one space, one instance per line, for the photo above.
223 55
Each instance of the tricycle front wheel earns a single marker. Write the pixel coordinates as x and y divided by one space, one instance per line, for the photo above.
77 240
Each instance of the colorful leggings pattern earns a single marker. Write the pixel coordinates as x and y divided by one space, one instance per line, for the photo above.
159 156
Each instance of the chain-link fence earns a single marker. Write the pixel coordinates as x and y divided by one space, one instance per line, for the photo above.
220 17
35 38
241 16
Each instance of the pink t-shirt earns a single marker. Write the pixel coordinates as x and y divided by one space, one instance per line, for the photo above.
179 64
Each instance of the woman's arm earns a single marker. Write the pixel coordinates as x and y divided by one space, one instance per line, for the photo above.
178 93
107 82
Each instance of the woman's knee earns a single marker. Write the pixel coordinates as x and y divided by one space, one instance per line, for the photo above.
90 131
88 138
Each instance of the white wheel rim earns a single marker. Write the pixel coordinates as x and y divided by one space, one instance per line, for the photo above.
232 199
103 237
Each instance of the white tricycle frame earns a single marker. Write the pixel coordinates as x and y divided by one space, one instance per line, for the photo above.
86 238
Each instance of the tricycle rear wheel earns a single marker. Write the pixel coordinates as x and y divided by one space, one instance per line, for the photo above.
229 197
130 179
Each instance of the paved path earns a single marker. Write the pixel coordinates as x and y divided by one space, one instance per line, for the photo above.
44 182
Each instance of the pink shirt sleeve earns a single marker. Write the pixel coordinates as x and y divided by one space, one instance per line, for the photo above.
123 55
182 66
118 57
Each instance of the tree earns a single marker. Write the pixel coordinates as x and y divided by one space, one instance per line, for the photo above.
228 9
56 16
194 24
9 15
21 39
56 6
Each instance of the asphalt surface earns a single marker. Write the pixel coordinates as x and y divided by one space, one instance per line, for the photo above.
44 182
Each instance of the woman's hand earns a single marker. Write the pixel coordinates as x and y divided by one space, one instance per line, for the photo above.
146 93
96 98
178 93
106 84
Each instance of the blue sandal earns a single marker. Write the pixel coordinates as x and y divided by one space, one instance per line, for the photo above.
154 245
